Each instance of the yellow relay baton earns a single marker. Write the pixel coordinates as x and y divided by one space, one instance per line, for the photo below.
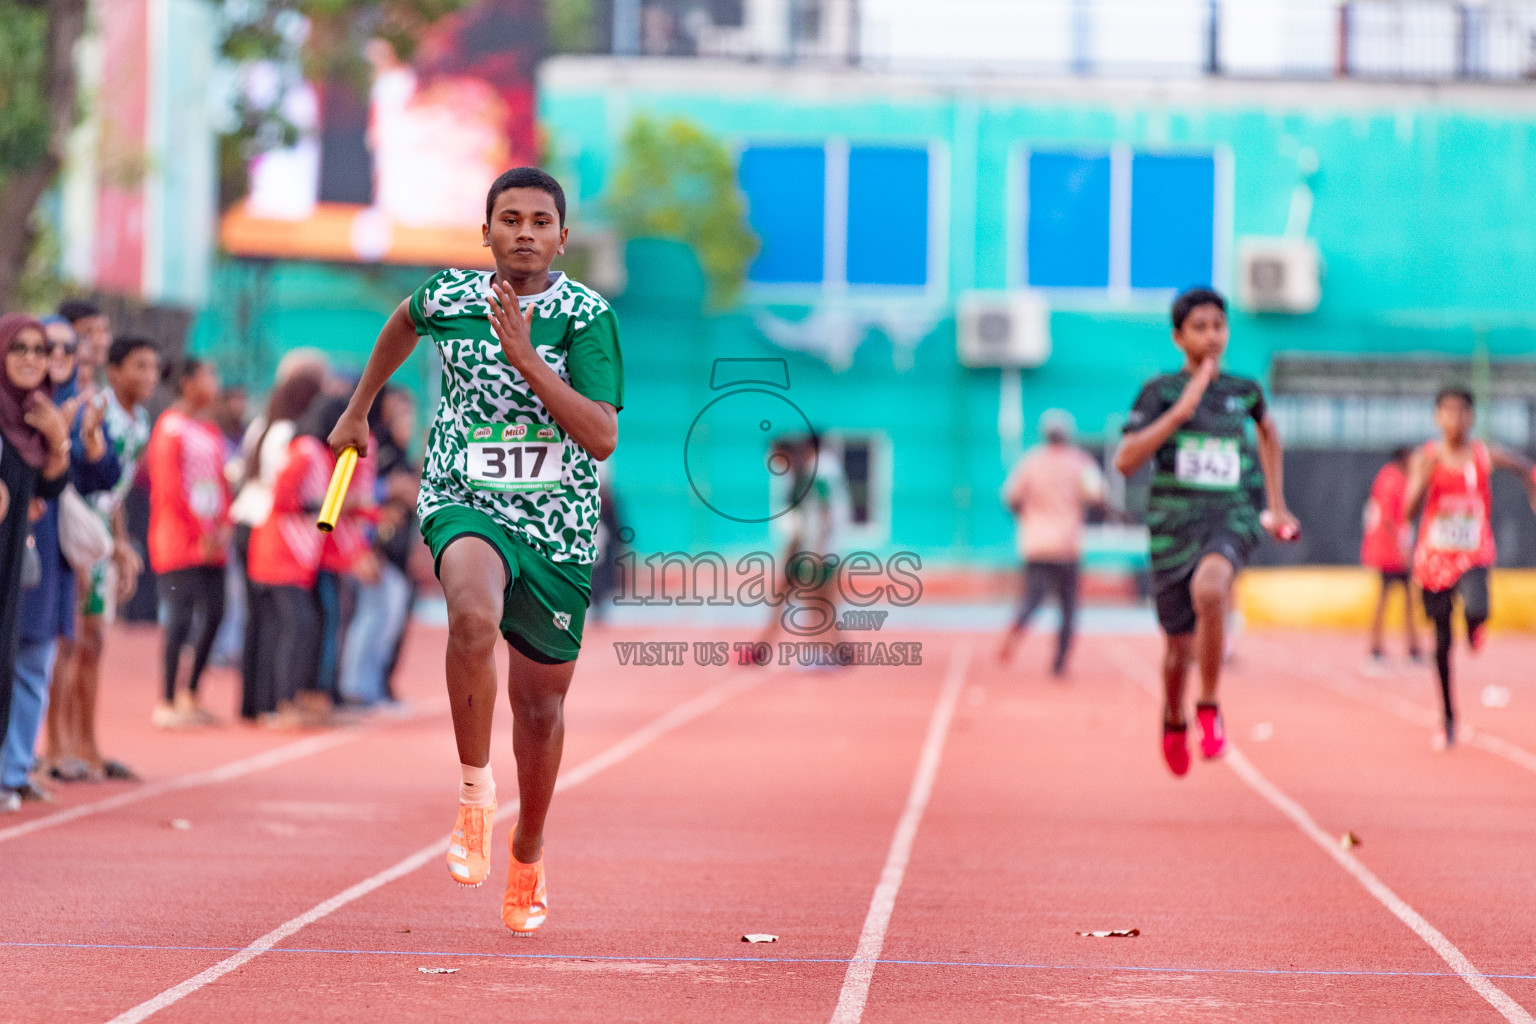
341 479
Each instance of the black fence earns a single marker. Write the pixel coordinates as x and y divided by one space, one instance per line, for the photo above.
167 325
1328 489
1388 40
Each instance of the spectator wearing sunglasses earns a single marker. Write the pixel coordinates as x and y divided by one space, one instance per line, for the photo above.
34 463
47 612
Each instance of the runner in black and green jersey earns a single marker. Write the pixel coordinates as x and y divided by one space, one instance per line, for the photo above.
532 385
1209 482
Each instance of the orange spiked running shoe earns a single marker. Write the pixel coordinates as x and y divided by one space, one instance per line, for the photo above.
469 848
526 903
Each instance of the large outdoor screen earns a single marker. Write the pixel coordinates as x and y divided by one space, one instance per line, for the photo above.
399 175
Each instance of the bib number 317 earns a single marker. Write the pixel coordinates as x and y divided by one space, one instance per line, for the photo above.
514 457
1208 463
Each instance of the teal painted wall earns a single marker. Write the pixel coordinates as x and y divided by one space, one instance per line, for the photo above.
261 309
1425 217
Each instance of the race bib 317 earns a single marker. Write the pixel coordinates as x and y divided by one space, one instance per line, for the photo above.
514 456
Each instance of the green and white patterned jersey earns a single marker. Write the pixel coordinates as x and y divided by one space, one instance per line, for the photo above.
128 434
493 445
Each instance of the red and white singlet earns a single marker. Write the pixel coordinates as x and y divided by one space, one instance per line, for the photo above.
1456 532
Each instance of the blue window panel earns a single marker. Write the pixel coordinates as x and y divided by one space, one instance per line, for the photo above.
1173 203
787 208
1068 235
887 216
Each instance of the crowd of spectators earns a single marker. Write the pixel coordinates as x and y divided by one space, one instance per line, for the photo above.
313 622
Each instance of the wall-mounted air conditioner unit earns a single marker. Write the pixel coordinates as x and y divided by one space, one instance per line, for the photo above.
1278 275
1011 329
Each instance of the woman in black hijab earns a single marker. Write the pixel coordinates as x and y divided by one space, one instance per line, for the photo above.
33 464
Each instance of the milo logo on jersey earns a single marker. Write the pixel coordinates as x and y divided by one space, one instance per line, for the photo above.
514 431
481 433
546 434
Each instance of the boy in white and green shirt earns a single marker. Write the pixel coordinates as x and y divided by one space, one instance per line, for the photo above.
532 385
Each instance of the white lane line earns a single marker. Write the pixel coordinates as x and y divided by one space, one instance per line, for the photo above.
1347 684
1496 997
1502 748
234 770
680 715
1407 710
861 969
1458 962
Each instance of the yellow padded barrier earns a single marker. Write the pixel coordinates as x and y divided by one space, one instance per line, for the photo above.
1343 597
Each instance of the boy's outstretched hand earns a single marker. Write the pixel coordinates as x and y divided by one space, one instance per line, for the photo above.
511 325
1281 525
1189 398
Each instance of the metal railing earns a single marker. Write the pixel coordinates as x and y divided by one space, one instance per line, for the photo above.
1396 40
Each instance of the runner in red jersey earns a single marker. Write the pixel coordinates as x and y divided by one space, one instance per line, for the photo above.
1452 479
1386 548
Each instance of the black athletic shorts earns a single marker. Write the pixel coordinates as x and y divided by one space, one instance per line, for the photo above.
1391 576
1170 587
1472 588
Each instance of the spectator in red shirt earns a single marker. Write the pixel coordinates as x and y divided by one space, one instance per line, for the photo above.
263 455
188 532
1387 546
347 553
285 556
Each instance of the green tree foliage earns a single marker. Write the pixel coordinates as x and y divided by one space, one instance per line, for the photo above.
298 40
572 26
676 181
38 108
332 32
400 23
24 133
23 102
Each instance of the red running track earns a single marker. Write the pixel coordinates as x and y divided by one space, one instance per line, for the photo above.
704 803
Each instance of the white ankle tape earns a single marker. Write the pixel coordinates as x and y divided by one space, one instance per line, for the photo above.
476 786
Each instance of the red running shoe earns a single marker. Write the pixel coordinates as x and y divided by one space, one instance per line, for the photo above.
1477 637
1176 747
1213 735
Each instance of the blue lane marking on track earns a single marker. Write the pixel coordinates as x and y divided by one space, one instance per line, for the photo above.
930 616
776 960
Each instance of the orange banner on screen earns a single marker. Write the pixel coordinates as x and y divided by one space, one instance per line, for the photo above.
351 233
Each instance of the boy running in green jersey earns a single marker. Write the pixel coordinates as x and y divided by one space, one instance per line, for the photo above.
1203 513
532 386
